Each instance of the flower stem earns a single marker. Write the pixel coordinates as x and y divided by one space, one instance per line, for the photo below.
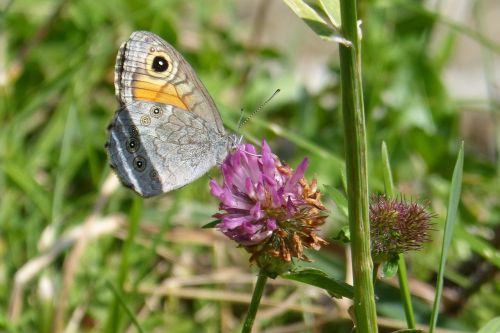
356 167
254 303
402 276
405 292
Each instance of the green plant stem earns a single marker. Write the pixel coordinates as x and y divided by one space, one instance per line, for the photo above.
404 289
114 315
254 303
402 276
356 167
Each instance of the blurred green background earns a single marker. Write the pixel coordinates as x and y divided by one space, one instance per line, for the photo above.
431 78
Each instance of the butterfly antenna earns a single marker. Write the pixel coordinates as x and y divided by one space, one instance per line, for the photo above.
258 109
241 118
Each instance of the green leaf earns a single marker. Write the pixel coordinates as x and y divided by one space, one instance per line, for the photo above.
344 235
339 198
321 18
451 218
320 279
212 224
409 330
390 267
493 326
332 9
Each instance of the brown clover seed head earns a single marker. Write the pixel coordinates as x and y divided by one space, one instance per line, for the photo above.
293 234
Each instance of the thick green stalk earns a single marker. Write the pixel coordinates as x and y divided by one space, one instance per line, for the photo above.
356 170
254 303
402 276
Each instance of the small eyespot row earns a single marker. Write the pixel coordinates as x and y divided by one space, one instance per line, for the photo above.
156 111
145 120
139 163
133 144
133 131
155 177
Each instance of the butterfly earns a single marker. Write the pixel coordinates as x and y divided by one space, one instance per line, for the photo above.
168 131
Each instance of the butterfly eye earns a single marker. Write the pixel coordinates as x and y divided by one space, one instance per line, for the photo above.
139 163
160 64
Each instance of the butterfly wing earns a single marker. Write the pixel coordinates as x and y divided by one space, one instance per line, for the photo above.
150 69
155 148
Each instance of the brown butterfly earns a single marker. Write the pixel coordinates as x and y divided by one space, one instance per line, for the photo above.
168 131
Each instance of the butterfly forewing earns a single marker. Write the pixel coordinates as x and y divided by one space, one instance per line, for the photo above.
150 69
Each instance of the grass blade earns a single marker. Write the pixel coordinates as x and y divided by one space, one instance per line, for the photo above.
386 170
114 317
451 218
121 301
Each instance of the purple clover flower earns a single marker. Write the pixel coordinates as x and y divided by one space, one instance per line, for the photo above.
266 206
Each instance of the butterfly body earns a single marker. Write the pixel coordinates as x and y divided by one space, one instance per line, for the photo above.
168 131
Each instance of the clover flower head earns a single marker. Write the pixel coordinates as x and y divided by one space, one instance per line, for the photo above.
267 207
397 226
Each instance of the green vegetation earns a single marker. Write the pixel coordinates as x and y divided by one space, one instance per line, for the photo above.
79 253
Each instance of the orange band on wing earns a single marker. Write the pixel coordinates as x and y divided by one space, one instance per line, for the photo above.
166 94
